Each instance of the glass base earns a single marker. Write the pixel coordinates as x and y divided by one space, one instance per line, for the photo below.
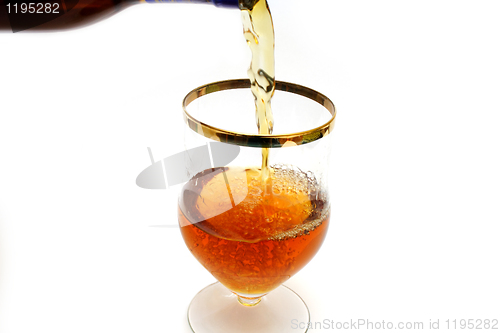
216 309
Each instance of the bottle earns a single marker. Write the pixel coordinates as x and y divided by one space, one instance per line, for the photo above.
30 15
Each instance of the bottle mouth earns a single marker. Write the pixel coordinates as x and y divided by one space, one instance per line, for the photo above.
259 140
227 3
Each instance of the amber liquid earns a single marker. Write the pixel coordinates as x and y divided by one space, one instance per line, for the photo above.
250 240
258 30
254 228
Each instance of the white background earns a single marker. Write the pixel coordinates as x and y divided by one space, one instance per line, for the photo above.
416 181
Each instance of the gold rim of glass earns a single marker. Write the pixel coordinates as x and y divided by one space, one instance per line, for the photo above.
259 140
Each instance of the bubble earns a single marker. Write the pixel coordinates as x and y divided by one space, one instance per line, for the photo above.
302 229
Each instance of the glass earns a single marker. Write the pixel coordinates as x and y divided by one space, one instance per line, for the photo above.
253 232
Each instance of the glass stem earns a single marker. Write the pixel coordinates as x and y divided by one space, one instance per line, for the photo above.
249 301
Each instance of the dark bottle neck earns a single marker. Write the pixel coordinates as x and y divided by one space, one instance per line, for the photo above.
64 15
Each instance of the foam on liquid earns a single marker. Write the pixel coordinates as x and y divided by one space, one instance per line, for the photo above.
294 207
